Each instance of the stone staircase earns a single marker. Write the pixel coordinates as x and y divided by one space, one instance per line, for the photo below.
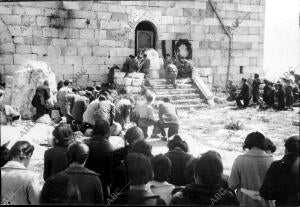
185 97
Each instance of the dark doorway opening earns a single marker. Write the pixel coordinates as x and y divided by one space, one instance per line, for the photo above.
145 36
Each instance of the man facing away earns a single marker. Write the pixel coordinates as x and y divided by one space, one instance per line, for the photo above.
42 94
61 97
168 118
171 71
255 87
244 95
144 65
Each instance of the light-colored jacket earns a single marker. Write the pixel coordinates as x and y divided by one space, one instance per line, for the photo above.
249 171
163 189
62 100
19 185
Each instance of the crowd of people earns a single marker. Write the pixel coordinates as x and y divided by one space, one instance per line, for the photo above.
90 171
280 96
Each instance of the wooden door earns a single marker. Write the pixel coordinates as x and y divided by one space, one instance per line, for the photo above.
144 39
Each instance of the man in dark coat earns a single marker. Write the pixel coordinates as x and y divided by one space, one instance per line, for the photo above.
282 179
206 189
179 158
76 184
144 65
130 65
280 96
100 156
244 95
42 94
255 88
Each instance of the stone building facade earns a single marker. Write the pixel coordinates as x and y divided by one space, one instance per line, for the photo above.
83 39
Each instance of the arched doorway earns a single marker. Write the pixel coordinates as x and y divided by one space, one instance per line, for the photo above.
145 36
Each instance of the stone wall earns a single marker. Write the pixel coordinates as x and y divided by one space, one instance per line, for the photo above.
82 39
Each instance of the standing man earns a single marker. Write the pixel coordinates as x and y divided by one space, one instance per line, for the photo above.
244 95
168 118
171 71
255 87
42 94
144 65
61 97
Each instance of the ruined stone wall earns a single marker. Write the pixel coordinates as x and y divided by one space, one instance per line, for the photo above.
82 39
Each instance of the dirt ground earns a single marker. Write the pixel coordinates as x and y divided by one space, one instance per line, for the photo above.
203 130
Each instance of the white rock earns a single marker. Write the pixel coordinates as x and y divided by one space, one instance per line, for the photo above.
29 76
137 82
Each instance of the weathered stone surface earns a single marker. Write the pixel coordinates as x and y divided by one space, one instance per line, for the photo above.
30 75
137 82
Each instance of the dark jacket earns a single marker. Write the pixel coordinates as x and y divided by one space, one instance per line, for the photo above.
76 185
245 92
269 95
289 95
100 160
280 98
79 108
137 197
282 182
42 94
255 84
196 194
55 160
179 160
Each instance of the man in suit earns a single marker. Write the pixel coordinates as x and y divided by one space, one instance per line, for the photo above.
42 94
255 87
244 95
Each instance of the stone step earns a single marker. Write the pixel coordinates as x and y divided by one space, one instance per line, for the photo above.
162 80
187 101
161 86
191 106
176 91
177 96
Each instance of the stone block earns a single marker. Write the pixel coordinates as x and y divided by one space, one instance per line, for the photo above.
89 60
100 51
241 61
183 36
77 42
28 11
100 34
23 49
6 59
41 41
133 89
99 6
119 16
127 81
104 15
167 20
68 33
5 10
83 14
119 81
137 82
21 58
42 21
84 51
50 32
173 12
180 20
105 24
87 33
92 42
69 51
59 42
54 51
214 45
75 5
76 23
11 19
242 45
73 60
123 52
253 62
115 8
119 74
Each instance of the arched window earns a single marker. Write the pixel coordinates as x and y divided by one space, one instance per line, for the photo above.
145 36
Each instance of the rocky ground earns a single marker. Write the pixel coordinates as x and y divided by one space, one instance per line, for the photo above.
203 129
